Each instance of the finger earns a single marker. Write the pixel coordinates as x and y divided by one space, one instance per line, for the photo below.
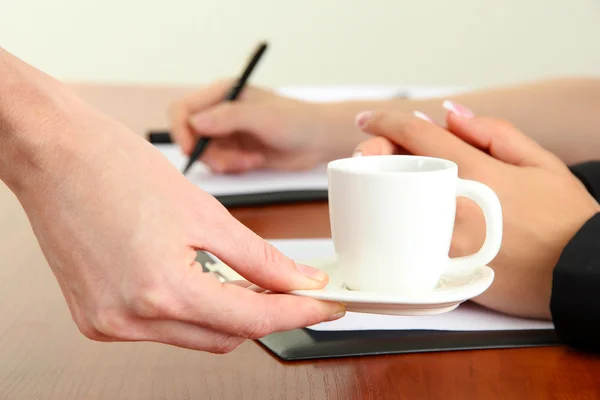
247 285
192 296
222 159
502 141
238 311
376 146
257 260
229 117
181 110
421 137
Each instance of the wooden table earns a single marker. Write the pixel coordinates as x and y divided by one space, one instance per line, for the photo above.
43 355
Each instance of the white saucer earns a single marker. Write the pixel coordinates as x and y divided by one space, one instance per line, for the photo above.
453 289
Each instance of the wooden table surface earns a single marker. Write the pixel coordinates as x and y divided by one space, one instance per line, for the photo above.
43 355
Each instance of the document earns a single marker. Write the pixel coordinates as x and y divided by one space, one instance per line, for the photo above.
259 181
467 317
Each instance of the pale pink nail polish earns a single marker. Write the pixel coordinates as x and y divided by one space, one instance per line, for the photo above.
458 109
420 115
357 154
363 117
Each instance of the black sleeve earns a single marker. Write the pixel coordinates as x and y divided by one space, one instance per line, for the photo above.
575 302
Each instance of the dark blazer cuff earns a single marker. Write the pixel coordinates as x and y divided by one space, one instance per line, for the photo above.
575 300
589 174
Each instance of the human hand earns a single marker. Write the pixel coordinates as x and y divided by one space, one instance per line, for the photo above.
262 129
259 130
119 226
543 203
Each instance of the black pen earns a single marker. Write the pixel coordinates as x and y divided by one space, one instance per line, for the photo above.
232 95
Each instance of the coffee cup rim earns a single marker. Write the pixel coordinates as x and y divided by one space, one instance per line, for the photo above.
349 165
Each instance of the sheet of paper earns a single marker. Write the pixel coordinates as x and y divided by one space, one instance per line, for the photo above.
325 93
467 317
250 182
365 92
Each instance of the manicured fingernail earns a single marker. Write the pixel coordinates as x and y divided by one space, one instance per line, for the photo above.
337 315
201 121
312 273
363 117
419 114
457 109
357 154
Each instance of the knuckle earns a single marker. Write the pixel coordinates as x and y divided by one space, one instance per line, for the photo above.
88 330
270 255
224 344
109 323
150 301
258 327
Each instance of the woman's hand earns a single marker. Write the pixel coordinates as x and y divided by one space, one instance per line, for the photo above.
261 130
543 203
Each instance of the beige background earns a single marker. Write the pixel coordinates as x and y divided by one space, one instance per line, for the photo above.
455 43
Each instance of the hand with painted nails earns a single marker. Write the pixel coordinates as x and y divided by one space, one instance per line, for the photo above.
260 130
120 227
544 204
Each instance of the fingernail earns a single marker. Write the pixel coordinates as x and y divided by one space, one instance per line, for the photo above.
419 114
312 273
363 117
337 315
457 109
357 154
201 121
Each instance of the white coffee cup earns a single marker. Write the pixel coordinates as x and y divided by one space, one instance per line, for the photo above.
392 220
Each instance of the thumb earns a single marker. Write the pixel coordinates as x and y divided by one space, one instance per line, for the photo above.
499 138
257 260
229 117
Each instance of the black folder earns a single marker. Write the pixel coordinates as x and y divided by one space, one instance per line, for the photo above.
306 344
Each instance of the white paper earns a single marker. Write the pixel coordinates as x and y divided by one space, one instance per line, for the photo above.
467 317
365 92
259 181
342 93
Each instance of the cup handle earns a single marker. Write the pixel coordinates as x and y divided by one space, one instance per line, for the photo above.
492 212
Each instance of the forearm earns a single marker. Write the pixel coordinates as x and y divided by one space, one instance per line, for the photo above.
563 115
30 119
